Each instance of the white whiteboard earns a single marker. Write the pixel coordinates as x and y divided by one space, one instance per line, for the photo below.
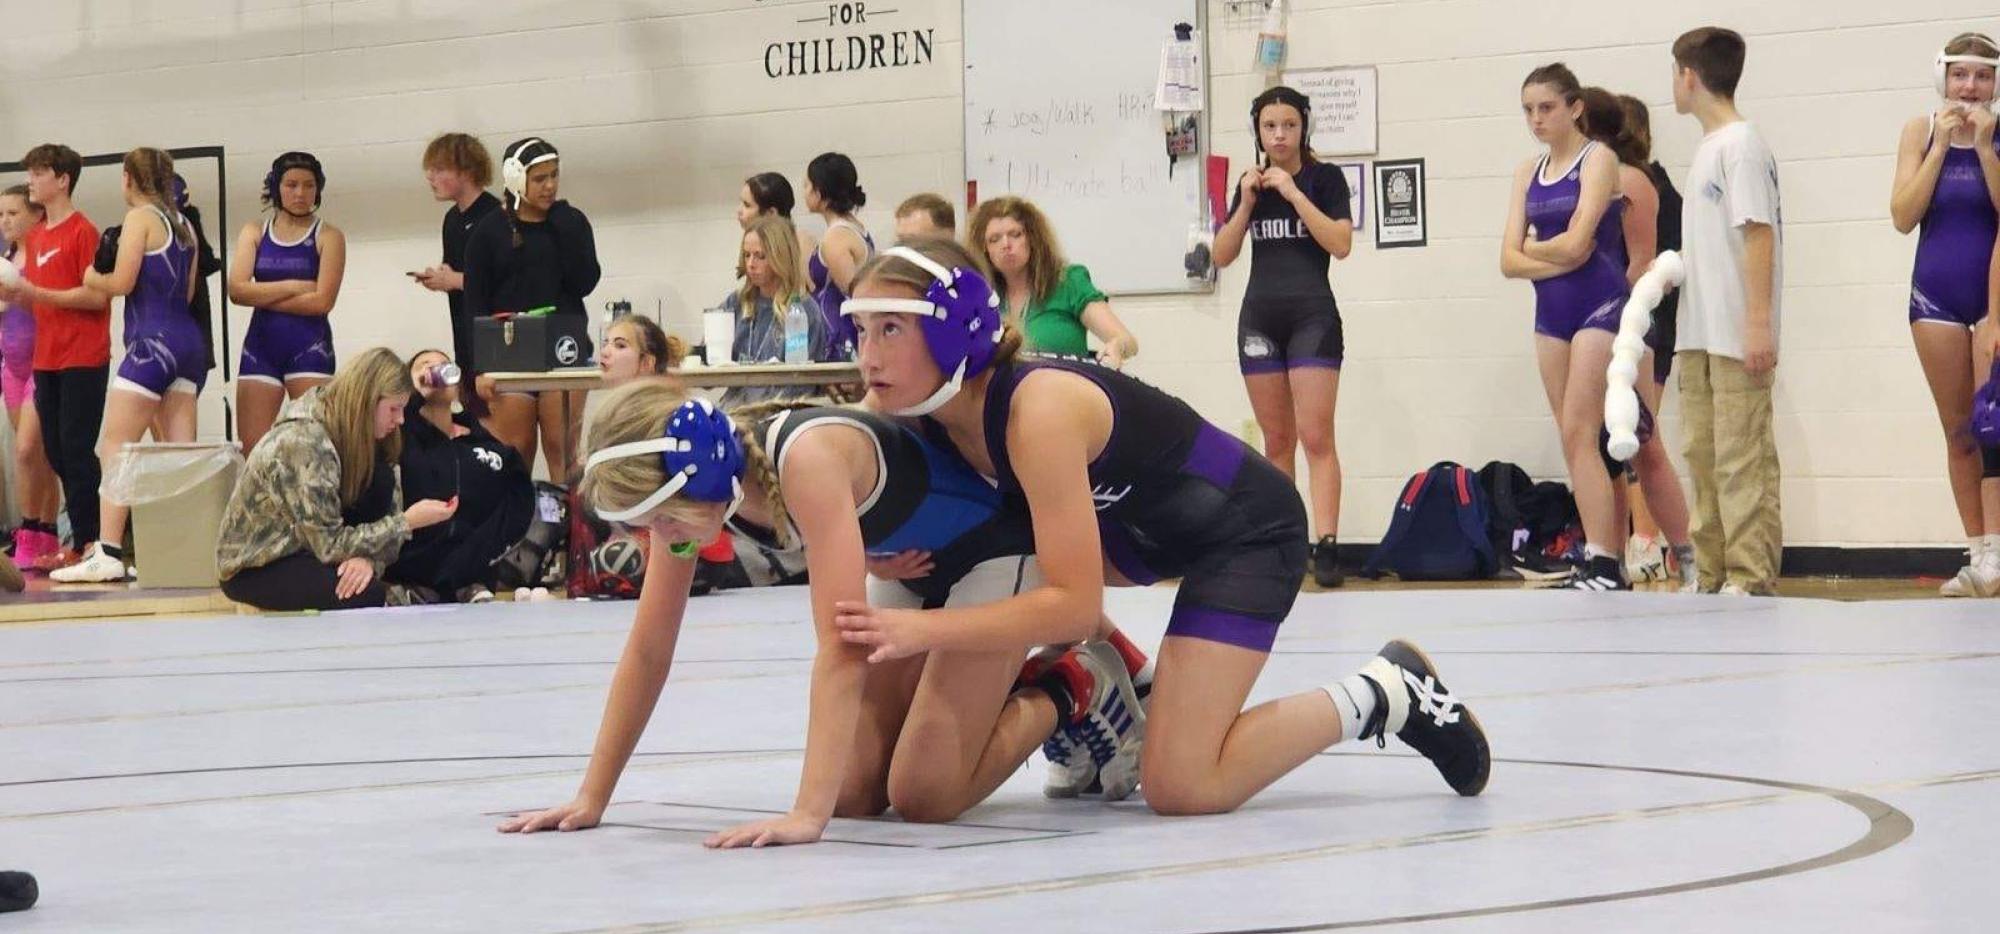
1059 110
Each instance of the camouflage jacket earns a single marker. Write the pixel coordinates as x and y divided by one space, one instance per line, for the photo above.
289 501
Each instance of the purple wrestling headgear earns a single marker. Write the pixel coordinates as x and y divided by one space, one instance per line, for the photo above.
961 323
1986 410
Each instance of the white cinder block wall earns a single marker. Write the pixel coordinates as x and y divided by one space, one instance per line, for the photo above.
662 106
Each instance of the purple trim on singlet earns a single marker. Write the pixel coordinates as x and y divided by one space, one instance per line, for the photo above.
1197 622
1215 456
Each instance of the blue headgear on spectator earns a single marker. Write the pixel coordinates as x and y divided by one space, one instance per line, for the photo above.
701 456
961 323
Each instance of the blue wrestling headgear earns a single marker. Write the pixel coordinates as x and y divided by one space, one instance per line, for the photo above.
961 323
700 453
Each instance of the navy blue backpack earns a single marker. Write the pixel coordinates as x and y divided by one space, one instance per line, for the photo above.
1438 532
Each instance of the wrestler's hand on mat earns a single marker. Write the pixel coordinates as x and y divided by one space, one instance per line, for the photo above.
902 566
580 814
355 573
891 634
771 831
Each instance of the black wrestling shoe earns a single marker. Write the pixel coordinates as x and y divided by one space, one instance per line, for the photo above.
1412 703
1600 573
1326 563
18 891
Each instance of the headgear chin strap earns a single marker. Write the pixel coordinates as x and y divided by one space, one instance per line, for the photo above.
960 317
1945 61
701 456
520 157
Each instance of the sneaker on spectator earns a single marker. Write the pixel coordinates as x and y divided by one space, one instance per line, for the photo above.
96 567
27 549
1645 560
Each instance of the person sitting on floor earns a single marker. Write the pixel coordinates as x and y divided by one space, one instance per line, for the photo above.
453 457
316 517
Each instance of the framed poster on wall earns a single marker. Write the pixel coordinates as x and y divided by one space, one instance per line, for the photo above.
1343 103
1399 203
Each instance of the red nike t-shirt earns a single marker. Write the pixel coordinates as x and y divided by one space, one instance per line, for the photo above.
55 258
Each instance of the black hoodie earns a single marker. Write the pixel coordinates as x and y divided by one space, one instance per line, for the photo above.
496 501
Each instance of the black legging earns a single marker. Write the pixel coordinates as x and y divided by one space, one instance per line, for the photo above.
70 404
299 581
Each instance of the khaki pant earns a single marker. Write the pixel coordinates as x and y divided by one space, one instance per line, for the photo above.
1732 453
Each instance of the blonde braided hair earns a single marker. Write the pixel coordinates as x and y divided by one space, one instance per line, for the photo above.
758 465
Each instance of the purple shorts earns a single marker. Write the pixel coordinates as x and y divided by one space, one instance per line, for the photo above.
172 360
278 347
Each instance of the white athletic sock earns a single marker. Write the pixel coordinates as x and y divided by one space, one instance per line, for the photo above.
1354 700
1592 551
1989 543
1974 547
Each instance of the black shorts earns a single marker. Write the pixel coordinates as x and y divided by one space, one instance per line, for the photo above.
1238 547
1660 337
1284 332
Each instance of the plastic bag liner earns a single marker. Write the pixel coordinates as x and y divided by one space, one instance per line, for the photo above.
148 472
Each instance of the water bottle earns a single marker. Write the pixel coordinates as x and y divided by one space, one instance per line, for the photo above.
798 334
1271 39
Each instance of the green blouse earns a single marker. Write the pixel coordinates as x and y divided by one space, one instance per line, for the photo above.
1056 325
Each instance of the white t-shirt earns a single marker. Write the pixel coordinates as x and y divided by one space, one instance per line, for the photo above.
1733 181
